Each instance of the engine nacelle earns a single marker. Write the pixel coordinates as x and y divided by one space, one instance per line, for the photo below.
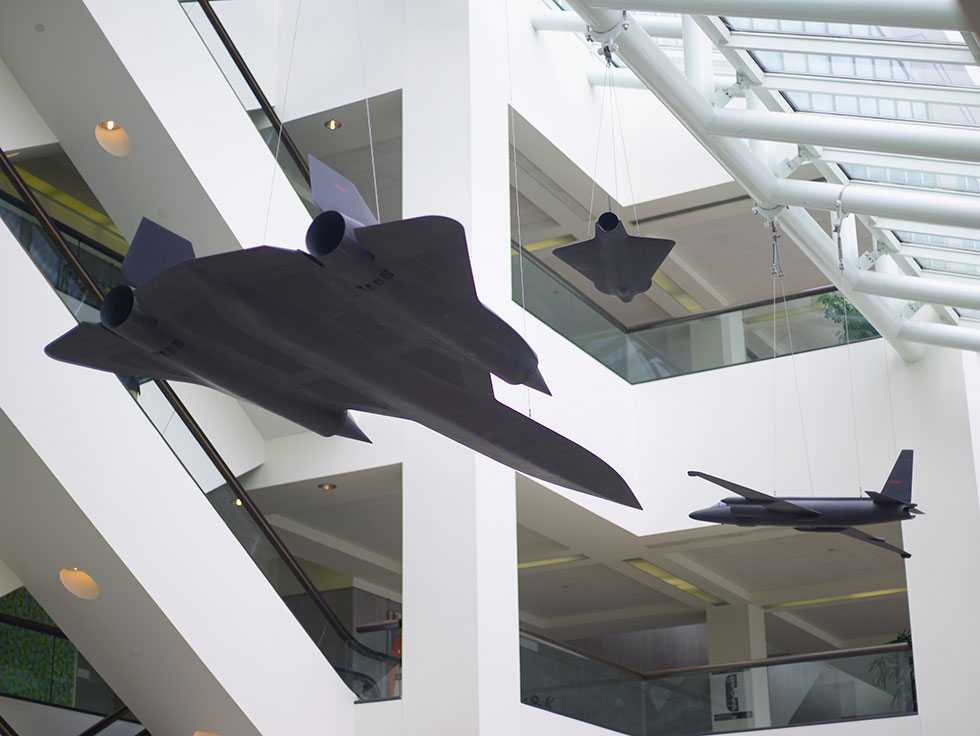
121 313
328 231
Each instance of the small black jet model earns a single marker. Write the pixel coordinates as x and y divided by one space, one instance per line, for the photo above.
809 514
377 318
617 263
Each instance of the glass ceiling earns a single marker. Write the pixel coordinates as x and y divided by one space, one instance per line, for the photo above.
869 71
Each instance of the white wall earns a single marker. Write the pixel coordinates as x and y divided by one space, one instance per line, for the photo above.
20 125
8 580
87 482
30 719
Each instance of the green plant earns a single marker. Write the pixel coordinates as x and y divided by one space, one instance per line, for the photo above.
851 323
895 673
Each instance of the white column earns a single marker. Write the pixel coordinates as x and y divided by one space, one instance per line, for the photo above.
941 392
8 580
739 700
461 658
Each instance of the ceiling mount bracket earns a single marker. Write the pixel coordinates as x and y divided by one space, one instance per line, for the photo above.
607 38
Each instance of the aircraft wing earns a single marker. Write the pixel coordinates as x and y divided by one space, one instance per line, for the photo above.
876 541
93 346
261 276
430 250
771 502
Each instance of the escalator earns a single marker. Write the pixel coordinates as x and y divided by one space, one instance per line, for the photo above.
81 270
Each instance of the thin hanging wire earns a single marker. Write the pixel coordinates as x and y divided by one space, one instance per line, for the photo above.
777 279
517 185
891 398
626 162
796 382
367 108
598 143
838 232
285 97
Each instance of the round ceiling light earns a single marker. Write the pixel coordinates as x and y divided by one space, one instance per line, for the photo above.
327 486
79 583
205 733
333 124
113 138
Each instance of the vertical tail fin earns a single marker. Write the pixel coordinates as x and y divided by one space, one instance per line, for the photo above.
899 483
332 191
154 249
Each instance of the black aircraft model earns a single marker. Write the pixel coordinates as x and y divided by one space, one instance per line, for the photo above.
379 318
808 514
617 263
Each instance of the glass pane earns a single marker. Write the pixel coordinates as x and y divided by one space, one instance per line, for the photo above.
844 30
569 684
937 241
678 347
42 665
912 178
858 67
884 107
951 267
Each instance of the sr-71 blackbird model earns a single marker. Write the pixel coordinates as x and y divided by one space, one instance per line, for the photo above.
617 263
376 318
808 514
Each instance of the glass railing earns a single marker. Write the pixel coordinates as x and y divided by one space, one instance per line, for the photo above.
829 687
810 321
39 664
370 673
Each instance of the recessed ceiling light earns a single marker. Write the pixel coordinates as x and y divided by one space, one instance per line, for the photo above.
860 596
238 502
13 154
79 583
113 138
333 124
552 561
673 580
327 486
205 733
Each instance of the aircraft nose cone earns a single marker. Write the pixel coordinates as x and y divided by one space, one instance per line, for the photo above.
698 515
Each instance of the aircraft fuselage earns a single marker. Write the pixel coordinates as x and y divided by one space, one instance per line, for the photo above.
829 512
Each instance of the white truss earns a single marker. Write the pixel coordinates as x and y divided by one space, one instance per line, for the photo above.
914 179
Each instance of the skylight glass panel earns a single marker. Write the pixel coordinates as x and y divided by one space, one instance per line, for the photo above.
930 240
864 67
844 30
936 265
884 107
965 313
912 178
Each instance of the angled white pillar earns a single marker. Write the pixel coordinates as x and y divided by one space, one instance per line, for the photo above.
8 580
737 633
461 654
89 483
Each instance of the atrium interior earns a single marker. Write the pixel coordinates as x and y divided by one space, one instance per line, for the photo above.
344 390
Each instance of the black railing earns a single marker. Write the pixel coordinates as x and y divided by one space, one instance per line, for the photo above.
370 666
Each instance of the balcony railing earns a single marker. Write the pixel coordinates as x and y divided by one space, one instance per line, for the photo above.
825 687
816 319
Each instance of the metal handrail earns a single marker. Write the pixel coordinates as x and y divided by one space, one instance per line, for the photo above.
253 86
773 661
196 431
37 626
6 729
726 666
102 725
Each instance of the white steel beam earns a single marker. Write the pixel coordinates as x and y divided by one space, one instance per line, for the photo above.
937 53
941 14
957 293
562 20
641 54
910 139
947 336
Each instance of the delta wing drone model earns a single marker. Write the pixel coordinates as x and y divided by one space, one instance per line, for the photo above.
617 263
377 318
808 514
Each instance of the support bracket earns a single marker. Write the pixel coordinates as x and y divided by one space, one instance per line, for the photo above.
607 38
804 155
